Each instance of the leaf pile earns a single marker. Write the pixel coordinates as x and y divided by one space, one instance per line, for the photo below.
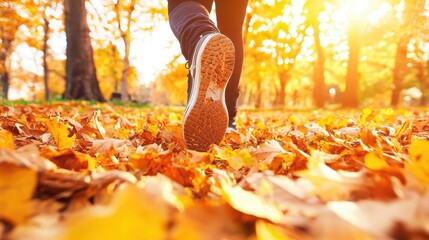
75 171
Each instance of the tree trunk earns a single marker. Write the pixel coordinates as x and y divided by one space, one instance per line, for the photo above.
258 90
350 98
4 70
412 10
124 82
423 77
399 70
126 37
319 90
45 56
5 84
283 77
81 78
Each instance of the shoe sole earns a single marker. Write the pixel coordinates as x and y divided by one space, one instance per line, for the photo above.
206 118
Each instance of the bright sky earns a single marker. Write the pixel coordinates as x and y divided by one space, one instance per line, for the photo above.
150 52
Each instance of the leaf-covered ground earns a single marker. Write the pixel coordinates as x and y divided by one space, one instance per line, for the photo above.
78 171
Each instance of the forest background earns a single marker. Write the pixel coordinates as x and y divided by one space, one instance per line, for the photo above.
298 53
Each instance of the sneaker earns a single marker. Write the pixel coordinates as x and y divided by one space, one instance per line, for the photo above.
206 116
232 128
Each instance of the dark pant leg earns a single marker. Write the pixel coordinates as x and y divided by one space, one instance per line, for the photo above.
230 17
189 20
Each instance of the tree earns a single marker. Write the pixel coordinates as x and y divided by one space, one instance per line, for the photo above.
44 10
125 33
10 21
355 33
117 29
42 14
172 80
81 78
412 16
274 35
314 8
255 70
289 36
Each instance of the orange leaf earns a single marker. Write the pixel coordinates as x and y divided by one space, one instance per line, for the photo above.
210 221
60 133
17 185
132 214
6 140
69 159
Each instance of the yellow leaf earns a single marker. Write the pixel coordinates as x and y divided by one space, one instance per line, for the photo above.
6 140
132 214
60 133
17 185
419 162
236 158
373 162
250 203
266 230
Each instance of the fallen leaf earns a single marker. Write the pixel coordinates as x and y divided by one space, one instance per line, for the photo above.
373 162
236 158
60 133
419 161
6 140
132 214
328 183
17 185
265 230
104 145
69 159
209 221
246 202
268 151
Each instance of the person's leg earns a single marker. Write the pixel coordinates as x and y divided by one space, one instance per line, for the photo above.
211 59
189 20
230 17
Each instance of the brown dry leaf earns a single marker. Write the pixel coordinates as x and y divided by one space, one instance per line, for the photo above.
328 225
378 218
328 183
152 161
27 156
289 195
69 159
268 151
17 185
60 133
331 174
104 145
98 126
199 158
208 221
